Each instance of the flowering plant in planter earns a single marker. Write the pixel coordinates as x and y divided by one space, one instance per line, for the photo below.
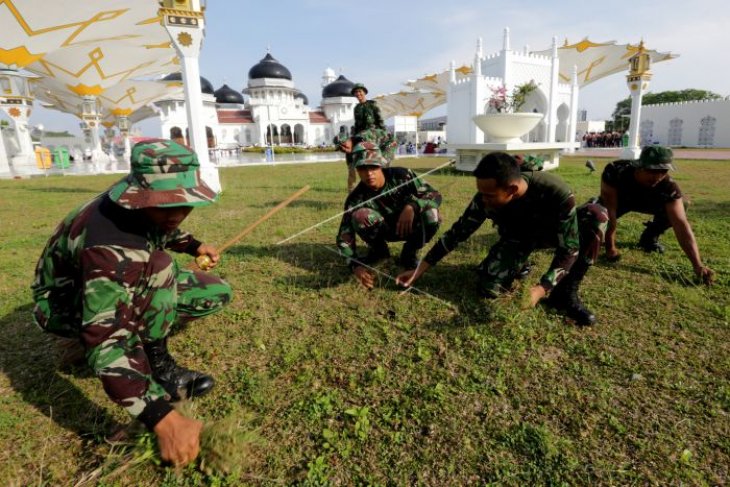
501 102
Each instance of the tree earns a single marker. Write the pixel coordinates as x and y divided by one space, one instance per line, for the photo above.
624 106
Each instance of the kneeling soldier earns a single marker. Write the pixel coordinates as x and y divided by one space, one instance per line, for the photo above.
388 205
105 278
531 210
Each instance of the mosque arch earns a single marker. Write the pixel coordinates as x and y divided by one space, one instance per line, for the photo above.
299 133
210 136
561 130
272 134
286 134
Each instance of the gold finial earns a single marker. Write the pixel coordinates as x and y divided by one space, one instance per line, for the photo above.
640 62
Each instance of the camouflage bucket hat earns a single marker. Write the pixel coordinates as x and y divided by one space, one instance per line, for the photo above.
655 157
358 86
163 174
367 154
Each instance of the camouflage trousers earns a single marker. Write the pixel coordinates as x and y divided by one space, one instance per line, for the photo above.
383 139
659 224
375 229
507 257
163 296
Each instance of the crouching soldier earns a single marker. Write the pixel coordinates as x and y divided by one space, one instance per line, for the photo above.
644 185
531 210
388 205
106 279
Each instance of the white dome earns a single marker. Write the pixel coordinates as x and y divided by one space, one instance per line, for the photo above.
329 72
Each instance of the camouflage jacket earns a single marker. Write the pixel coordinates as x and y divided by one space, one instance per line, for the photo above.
419 194
367 115
86 281
544 217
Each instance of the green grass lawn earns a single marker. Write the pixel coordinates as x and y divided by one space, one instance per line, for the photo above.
353 387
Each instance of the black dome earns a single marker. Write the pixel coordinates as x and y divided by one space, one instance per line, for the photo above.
339 87
303 97
205 86
269 67
226 94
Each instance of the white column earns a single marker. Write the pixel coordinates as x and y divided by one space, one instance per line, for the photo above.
186 30
4 165
573 121
552 109
637 87
24 160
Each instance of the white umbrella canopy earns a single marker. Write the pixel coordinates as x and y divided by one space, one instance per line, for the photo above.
598 60
438 81
128 96
411 103
34 28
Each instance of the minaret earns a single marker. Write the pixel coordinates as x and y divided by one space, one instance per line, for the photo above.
328 76
638 82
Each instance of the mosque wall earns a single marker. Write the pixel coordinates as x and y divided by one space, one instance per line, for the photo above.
704 123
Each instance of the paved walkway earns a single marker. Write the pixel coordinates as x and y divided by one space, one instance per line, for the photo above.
711 154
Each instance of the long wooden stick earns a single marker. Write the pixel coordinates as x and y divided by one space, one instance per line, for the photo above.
203 261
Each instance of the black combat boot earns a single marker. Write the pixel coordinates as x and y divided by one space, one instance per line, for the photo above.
408 259
649 240
378 251
564 297
179 382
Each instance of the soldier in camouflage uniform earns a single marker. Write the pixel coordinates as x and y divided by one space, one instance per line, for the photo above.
644 185
369 124
531 210
389 205
106 279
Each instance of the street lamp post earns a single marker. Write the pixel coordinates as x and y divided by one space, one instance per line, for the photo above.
638 82
184 22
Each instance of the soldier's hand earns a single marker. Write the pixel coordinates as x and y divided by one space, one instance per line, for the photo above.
404 227
365 277
536 294
211 253
409 277
178 438
706 275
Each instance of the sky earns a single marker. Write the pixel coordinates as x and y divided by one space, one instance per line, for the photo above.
384 43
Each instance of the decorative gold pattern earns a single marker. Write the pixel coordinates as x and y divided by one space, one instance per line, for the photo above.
80 26
14 112
185 39
19 56
583 45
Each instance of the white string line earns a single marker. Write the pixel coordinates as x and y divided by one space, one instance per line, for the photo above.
448 163
391 278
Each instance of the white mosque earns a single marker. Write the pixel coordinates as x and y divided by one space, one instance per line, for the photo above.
276 112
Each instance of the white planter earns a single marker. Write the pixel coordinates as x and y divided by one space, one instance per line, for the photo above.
503 128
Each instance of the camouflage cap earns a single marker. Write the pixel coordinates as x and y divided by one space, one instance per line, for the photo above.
655 157
163 174
367 154
358 86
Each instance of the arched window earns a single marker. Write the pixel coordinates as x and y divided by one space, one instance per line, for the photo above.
707 131
646 132
675 132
